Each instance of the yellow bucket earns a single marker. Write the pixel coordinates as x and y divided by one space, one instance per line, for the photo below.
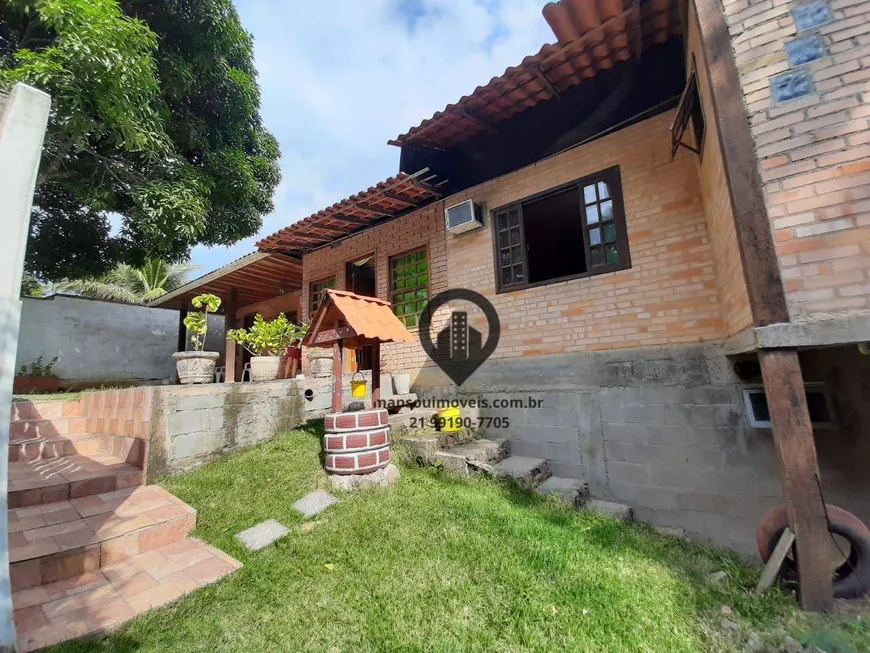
358 388
450 419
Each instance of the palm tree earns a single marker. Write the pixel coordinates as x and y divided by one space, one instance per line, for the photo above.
132 285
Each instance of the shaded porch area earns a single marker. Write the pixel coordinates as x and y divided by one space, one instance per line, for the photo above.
265 283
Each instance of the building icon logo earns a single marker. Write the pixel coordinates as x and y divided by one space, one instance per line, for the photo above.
459 348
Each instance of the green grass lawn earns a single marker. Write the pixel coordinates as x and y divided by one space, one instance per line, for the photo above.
440 563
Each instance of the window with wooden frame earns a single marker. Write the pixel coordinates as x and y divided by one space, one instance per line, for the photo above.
575 230
409 285
689 109
316 296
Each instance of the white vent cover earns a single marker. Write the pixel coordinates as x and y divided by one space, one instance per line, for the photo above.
464 216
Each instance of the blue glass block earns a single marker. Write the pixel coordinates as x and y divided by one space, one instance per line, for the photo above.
804 50
810 15
790 85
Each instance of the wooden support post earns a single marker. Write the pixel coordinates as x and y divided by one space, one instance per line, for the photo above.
229 345
793 434
182 331
337 372
376 374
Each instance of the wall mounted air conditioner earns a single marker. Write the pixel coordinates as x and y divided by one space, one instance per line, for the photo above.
463 217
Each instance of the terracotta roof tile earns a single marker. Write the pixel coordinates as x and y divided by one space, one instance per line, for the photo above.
593 35
369 317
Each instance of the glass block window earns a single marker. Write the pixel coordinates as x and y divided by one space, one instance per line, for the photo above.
409 285
317 294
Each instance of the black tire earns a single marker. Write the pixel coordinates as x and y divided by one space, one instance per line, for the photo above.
852 578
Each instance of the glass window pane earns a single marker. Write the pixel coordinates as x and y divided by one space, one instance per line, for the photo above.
505 258
611 254
421 267
597 255
589 194
423 280
421 255
502 221
514 218
518 273
411 321
592 214
603 192
506 276
503 239
421 306
609 233
422 294
607 210
595 236
515 236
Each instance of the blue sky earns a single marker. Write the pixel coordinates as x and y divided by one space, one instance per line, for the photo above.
340 78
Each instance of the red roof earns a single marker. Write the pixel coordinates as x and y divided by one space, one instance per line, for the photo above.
593 35
387 199
368 318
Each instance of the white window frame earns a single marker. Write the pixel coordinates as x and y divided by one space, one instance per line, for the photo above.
757 388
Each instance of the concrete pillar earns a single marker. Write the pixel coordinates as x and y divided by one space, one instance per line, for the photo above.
22 128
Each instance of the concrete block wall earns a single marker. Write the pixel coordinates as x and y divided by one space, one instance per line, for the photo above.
100 342
661 429
814 151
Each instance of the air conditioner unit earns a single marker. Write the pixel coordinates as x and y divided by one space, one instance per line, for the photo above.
464 216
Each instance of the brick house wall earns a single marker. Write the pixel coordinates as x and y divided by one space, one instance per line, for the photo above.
736 311
670 295
421 228
813 152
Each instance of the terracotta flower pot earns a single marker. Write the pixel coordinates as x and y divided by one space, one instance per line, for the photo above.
195 366
265 368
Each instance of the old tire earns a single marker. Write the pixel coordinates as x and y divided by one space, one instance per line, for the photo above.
357 442
852 578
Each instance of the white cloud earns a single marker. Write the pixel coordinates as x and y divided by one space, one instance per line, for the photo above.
341 78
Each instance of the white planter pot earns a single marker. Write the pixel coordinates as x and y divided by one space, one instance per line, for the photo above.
402 384
265 368
195 366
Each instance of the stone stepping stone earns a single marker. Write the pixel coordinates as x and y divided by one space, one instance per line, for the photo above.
315 502
261 535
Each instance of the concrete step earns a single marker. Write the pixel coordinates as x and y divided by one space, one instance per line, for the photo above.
41 481
482 453
36 448
64 539
419 418
524 470
568 490
609 509
98 600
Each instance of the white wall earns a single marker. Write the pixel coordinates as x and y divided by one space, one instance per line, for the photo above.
97 341
22 128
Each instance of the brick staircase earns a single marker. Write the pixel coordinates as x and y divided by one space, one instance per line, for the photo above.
91 546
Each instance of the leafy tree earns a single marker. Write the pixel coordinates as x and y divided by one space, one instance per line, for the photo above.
132 285
154 118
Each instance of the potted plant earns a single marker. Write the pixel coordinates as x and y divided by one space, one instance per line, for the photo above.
36 378
267 340
197 366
